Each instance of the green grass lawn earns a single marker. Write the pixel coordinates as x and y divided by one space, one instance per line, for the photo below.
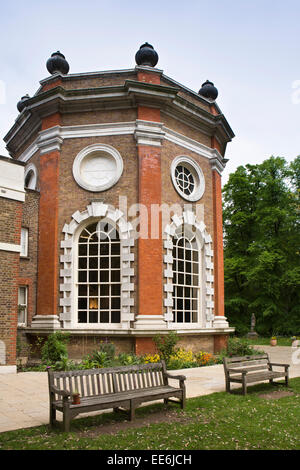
216 421
281 341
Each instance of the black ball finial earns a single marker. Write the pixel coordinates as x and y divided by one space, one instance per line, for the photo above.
146 55
208 90
22 103
57 63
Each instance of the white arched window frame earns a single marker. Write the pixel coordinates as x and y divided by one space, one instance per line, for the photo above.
97 275
30 176
205 285
186 276
95 212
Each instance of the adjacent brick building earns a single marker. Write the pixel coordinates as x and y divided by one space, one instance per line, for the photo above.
122 219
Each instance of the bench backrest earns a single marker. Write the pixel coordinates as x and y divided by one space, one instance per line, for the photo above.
104 381
250 363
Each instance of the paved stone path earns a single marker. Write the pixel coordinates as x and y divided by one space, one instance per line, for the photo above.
24 396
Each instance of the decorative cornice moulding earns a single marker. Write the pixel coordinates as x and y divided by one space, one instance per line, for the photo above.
145 133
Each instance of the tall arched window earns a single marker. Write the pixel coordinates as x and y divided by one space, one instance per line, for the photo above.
99 274
186 270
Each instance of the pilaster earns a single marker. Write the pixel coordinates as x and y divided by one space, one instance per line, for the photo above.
47 289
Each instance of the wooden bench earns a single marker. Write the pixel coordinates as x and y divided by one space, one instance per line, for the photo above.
118 387
249 369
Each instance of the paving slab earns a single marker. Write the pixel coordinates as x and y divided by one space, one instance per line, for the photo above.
24 398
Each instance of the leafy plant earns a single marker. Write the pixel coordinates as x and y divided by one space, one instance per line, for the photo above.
55 348
125 359
108 348
239 347
100 358
165 345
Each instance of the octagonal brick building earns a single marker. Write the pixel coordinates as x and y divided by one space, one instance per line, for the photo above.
121 228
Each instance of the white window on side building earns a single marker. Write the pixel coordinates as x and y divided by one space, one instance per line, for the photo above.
22 305
24 242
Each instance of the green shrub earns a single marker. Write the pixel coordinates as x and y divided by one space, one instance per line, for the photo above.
239 347
125 359
165 345
108 348
55 348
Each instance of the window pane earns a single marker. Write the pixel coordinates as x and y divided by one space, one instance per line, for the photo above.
93 290
93 263
104 317
82 303
82 317
93 276
24 242
115 317
22 295
93 317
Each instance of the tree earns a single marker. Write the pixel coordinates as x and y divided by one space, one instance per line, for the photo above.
261 246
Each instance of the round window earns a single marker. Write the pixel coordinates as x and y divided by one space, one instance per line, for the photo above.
187 178
97 167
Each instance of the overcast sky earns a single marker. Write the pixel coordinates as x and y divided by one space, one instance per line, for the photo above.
249 49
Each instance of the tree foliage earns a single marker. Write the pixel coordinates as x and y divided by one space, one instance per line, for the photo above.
262 246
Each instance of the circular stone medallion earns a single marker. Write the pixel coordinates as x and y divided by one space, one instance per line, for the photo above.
97 167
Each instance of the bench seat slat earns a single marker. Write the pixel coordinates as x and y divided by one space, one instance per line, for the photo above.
258 376
248 369
230 360
248 363
113 397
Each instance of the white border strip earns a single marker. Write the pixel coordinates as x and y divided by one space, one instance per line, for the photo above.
10 247
147 130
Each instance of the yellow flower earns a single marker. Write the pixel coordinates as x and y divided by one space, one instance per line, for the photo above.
148 358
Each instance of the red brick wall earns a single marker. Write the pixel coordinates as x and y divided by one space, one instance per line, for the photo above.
150 250
48 234
28 265
10 229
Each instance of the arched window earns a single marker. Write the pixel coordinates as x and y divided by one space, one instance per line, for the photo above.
30 177
186 270
99 274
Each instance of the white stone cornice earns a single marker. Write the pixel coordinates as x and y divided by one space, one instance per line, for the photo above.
218 163
145 133
149 133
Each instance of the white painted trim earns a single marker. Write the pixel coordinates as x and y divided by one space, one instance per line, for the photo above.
94 211
10 247
198 174
207 281
145 132
84 153
13 194
28 169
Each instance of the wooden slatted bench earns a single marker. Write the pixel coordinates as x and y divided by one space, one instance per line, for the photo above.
118 387
249 369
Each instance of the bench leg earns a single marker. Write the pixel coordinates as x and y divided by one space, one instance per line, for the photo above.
52 415
287 379
66 418
244 386
228 386
166 401
183 400
132 410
